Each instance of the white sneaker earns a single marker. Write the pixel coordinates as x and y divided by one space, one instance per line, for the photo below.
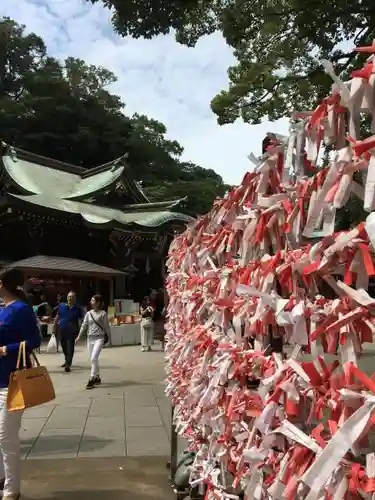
143 349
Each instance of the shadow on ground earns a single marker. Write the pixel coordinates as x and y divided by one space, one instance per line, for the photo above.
127 478
121 383
61 370
78 368
61 443
96 495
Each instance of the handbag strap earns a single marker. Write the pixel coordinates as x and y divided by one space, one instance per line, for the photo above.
22 354
19 356
35 358
97 324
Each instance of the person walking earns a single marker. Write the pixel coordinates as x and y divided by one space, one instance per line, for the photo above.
30 302
96 326
56 324
18 324
68 318
44 311
147 324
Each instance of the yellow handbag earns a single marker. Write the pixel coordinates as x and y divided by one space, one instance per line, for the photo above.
29 387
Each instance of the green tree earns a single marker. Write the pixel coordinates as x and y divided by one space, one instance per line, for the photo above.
278 45
65 110
151 151
200 185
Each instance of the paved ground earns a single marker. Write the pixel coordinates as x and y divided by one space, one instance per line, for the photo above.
127 416
109 443
96 479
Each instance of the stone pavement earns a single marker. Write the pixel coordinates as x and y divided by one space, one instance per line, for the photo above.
128 415
110 443
125 478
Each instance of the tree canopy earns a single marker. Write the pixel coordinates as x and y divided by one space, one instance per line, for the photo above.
65 110
278 45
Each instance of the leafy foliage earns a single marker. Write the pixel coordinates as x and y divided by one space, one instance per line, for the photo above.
278 45
200 185
64 110
147 18
350 215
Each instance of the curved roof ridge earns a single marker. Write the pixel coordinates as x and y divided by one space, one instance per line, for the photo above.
103 216
32 176
155 204
22 154
118 162
36 174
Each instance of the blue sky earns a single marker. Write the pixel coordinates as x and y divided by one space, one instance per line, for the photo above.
157 77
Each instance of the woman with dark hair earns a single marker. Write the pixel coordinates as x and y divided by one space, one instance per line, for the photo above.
17 324
147 324
96 326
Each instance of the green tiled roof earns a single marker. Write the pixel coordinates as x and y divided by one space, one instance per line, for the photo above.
103 215
59 186
36 178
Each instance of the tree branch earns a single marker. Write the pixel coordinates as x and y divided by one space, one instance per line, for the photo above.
339 12
358 40
347 57
274 88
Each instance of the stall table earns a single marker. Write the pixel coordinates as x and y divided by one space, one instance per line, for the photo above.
129 334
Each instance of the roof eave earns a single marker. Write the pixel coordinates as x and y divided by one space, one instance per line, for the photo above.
67 265
118 162
43 160
56 272
103 188
156 204
168 218
125 176
132 185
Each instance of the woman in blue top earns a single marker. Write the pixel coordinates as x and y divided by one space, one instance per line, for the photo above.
17 324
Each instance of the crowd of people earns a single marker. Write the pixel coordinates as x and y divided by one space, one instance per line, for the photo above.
22 322
68 316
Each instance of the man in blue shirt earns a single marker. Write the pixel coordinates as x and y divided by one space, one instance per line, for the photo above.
69 316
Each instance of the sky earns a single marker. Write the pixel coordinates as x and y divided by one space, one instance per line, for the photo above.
158 77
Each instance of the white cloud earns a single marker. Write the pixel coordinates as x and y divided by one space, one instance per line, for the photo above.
158 77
